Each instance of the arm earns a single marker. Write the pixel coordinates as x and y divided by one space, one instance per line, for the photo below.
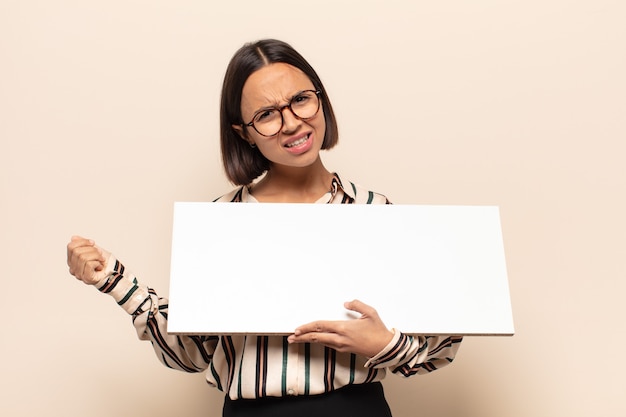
410 355
95 266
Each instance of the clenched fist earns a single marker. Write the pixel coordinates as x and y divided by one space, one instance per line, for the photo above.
86 260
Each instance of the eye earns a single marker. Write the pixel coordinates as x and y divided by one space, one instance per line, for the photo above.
265 115
301 99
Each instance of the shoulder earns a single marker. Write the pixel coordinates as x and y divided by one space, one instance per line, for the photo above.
234 196
360 194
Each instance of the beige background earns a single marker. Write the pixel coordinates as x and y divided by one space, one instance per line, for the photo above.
108 114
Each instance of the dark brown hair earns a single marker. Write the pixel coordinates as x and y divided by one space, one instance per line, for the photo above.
243 163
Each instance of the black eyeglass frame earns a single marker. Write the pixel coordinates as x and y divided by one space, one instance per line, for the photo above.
281 109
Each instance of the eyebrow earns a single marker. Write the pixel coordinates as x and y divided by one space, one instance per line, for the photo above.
276 105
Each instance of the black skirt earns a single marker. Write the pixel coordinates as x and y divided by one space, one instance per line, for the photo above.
359 400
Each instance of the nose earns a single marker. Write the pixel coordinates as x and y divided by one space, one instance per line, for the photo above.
290 121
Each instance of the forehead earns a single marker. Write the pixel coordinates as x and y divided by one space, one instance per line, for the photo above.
273 84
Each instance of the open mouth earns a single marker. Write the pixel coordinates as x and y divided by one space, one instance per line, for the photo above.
297 142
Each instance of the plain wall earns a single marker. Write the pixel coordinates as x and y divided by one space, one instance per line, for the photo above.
109 114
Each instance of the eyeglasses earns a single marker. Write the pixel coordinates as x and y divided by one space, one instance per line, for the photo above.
269 121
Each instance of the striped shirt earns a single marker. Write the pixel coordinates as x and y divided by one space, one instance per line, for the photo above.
251 366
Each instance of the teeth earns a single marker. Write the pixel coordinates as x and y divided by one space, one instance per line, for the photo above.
298 142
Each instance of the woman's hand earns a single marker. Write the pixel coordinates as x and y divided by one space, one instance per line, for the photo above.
366 336
87 261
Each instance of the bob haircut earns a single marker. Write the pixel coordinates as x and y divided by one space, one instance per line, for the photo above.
242 162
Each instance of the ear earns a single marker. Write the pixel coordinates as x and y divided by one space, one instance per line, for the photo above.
239 130
242 134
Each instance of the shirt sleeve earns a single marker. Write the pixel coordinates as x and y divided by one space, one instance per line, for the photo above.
149 315
409 355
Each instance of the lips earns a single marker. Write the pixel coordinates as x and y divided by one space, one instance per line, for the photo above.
297 142
300 144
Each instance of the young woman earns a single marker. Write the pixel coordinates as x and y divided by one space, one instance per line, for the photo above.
275 118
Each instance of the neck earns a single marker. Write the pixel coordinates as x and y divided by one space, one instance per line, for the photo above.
293 184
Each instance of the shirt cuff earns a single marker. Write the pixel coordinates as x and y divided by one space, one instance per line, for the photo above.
122 285
389 353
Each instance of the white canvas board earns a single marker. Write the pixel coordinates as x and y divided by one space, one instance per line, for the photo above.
268 268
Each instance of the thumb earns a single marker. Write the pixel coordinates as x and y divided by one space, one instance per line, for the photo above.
105 253
359 307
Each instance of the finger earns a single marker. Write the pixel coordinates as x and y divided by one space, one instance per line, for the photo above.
360 307
88 275
83 256
75 243
332 340
314 327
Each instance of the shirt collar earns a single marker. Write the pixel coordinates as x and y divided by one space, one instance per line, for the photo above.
337 187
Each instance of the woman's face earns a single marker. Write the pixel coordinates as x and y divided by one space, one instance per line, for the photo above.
298 142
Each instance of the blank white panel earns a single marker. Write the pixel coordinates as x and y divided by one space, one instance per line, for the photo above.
268 268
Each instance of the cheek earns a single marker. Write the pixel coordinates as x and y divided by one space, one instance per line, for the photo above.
267 146
320 126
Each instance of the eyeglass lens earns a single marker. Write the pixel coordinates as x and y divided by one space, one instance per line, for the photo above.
269 122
